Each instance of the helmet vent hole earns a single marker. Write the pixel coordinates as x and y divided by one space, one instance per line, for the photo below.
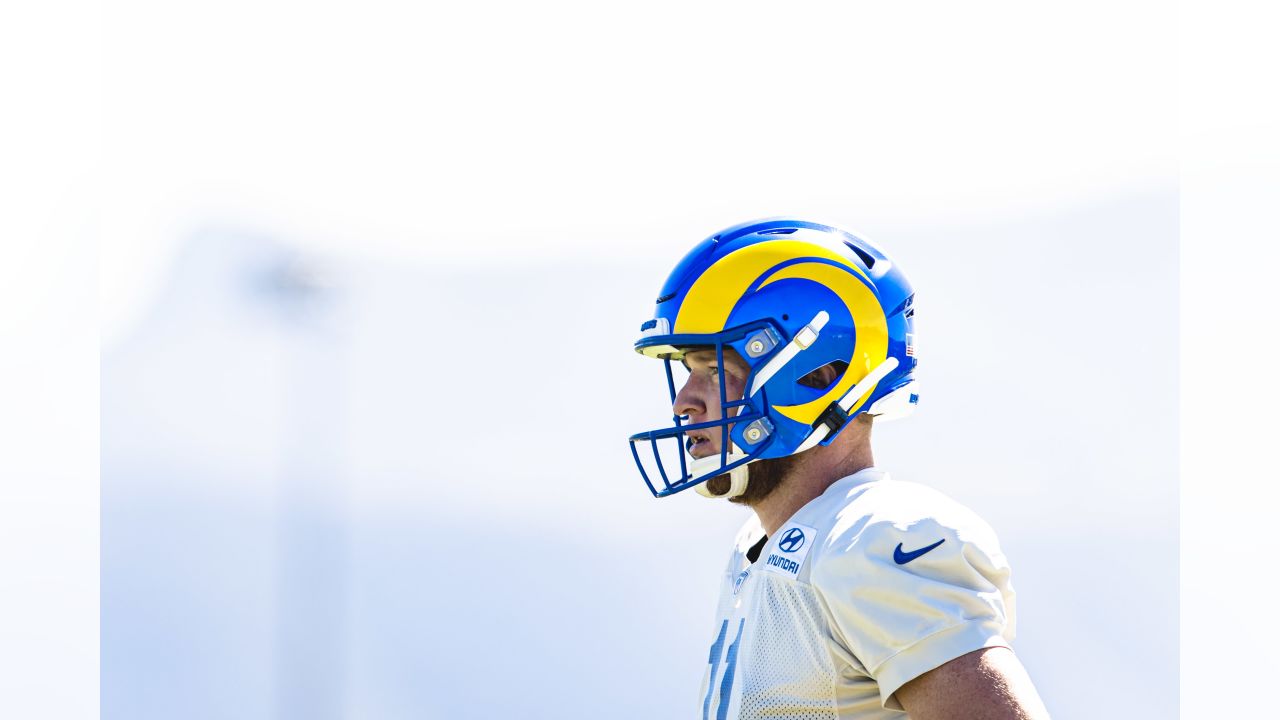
863 255
825 376
778 231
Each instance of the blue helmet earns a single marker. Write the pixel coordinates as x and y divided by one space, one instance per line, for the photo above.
789 296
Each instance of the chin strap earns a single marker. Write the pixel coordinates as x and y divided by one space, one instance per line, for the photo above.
710 466
737 484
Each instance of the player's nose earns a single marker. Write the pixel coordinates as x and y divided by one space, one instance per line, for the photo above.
687 401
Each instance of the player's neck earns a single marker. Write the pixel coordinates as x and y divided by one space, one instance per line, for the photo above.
807 480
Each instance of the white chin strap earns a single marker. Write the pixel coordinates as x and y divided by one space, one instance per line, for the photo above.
737 476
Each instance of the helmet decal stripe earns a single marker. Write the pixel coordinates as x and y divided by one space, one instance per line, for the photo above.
871 342
711 299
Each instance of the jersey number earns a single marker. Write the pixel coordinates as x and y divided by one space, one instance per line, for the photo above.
726 681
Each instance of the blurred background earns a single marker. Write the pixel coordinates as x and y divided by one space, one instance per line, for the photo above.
371 275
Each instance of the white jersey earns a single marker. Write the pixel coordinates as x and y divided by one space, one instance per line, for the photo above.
866 587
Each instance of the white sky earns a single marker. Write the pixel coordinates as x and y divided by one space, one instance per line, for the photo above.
404 129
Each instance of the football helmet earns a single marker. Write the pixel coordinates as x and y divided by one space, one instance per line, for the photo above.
789 296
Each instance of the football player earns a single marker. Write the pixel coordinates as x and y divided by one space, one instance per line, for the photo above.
848 594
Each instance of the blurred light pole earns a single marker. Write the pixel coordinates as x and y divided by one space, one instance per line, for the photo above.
311 644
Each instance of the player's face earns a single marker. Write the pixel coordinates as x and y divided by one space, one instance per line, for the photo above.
699 399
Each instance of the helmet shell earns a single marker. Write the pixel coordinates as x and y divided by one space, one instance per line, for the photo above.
777 276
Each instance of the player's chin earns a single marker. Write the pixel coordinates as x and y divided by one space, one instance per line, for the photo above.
719 485
763 477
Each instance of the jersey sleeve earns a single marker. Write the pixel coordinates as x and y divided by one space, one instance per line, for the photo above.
902 609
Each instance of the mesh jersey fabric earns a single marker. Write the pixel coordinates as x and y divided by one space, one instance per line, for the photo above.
843 607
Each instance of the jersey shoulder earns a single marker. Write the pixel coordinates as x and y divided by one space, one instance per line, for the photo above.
910 578
870 513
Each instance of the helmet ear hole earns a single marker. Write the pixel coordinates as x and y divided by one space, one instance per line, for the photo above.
824 377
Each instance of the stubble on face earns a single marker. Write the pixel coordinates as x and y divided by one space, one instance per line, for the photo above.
763 477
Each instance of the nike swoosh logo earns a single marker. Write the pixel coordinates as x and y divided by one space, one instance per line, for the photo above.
902 558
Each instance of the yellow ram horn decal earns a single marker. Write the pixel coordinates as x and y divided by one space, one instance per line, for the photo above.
871 339
707 305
